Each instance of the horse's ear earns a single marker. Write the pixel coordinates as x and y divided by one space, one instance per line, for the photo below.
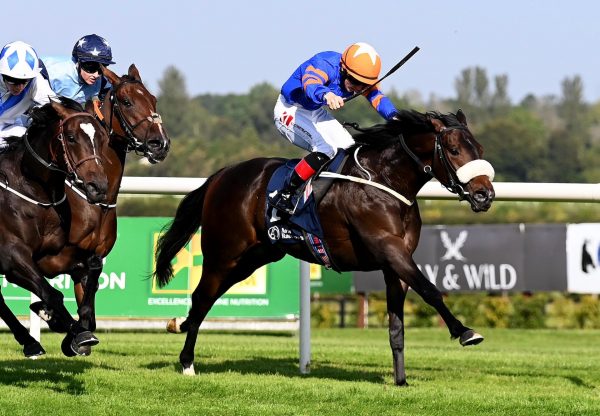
111 76
61 111
89 107
461 117
134 73
437 124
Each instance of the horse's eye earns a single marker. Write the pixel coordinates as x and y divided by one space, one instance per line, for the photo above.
454 151
70 138
127 103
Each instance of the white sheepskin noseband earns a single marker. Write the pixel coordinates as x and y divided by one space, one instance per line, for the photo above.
475 168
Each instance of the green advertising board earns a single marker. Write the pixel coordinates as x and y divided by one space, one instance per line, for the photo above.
128 290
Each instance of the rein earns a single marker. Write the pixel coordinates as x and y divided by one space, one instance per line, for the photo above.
133 144
365 181
31 200
457 177
455 186
72 165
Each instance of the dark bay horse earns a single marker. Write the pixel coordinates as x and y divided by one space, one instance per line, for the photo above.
129 114
365 227
62 142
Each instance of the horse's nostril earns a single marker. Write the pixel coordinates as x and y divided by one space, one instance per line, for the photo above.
481 196
155 144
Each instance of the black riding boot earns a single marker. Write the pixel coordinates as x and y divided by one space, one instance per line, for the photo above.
282 201
305 168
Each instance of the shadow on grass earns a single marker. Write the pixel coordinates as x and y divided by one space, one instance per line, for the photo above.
284 367
57 375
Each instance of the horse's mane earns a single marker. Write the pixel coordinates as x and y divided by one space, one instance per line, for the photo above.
127 77
42 118
406 122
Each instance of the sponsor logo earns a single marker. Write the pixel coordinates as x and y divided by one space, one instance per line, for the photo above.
274 233
453 248
453 272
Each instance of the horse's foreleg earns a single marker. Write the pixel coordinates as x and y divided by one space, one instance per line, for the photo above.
395 296
89 284
411 275
30 278
31 348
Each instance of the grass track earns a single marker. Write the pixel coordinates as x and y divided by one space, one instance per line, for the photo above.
514 372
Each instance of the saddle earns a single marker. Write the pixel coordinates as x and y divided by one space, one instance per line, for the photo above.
304 226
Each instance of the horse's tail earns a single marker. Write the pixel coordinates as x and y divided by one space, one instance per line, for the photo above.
188 219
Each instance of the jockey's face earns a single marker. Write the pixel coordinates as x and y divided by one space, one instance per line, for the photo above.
15 86
89 72
353 85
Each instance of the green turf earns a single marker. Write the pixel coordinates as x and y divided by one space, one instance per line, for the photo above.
514 372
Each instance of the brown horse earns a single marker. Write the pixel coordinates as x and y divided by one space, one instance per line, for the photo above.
62 142
129 114
365 227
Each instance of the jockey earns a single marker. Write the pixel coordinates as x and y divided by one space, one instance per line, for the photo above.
22 88
80 76
324 80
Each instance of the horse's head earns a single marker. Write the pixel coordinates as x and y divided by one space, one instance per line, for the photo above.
130 110
457 162
75 142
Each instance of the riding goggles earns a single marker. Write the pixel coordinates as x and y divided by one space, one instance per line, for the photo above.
90 67
14 81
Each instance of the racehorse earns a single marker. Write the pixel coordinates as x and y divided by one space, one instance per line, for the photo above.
365 227
129 114
62 142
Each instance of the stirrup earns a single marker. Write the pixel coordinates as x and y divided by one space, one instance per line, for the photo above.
283 202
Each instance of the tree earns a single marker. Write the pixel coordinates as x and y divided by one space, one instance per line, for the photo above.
173 101
515 145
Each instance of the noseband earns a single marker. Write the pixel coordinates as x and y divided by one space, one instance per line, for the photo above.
455 184
133 144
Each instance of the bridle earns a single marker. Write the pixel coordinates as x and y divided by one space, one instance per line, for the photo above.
133 143
71 165
455 184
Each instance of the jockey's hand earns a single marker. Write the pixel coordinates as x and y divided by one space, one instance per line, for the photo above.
334 102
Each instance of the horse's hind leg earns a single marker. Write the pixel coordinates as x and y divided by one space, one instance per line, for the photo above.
395 296
31 348
214 283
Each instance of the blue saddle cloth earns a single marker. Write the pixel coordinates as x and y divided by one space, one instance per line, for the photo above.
304 225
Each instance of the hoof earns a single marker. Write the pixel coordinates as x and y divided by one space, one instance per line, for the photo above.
33 350
470 337
84 350
85 338
68 347
174 325
189 371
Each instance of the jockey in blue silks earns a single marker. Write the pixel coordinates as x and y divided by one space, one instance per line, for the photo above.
324 80
79 77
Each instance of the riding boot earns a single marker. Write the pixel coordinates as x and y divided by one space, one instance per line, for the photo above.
303 171
282 201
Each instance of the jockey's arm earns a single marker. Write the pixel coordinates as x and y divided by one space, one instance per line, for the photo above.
382 104
314 82
43 93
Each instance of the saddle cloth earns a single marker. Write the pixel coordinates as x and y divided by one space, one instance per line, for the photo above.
304 225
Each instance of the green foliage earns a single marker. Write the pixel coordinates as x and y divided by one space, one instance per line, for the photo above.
513 310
